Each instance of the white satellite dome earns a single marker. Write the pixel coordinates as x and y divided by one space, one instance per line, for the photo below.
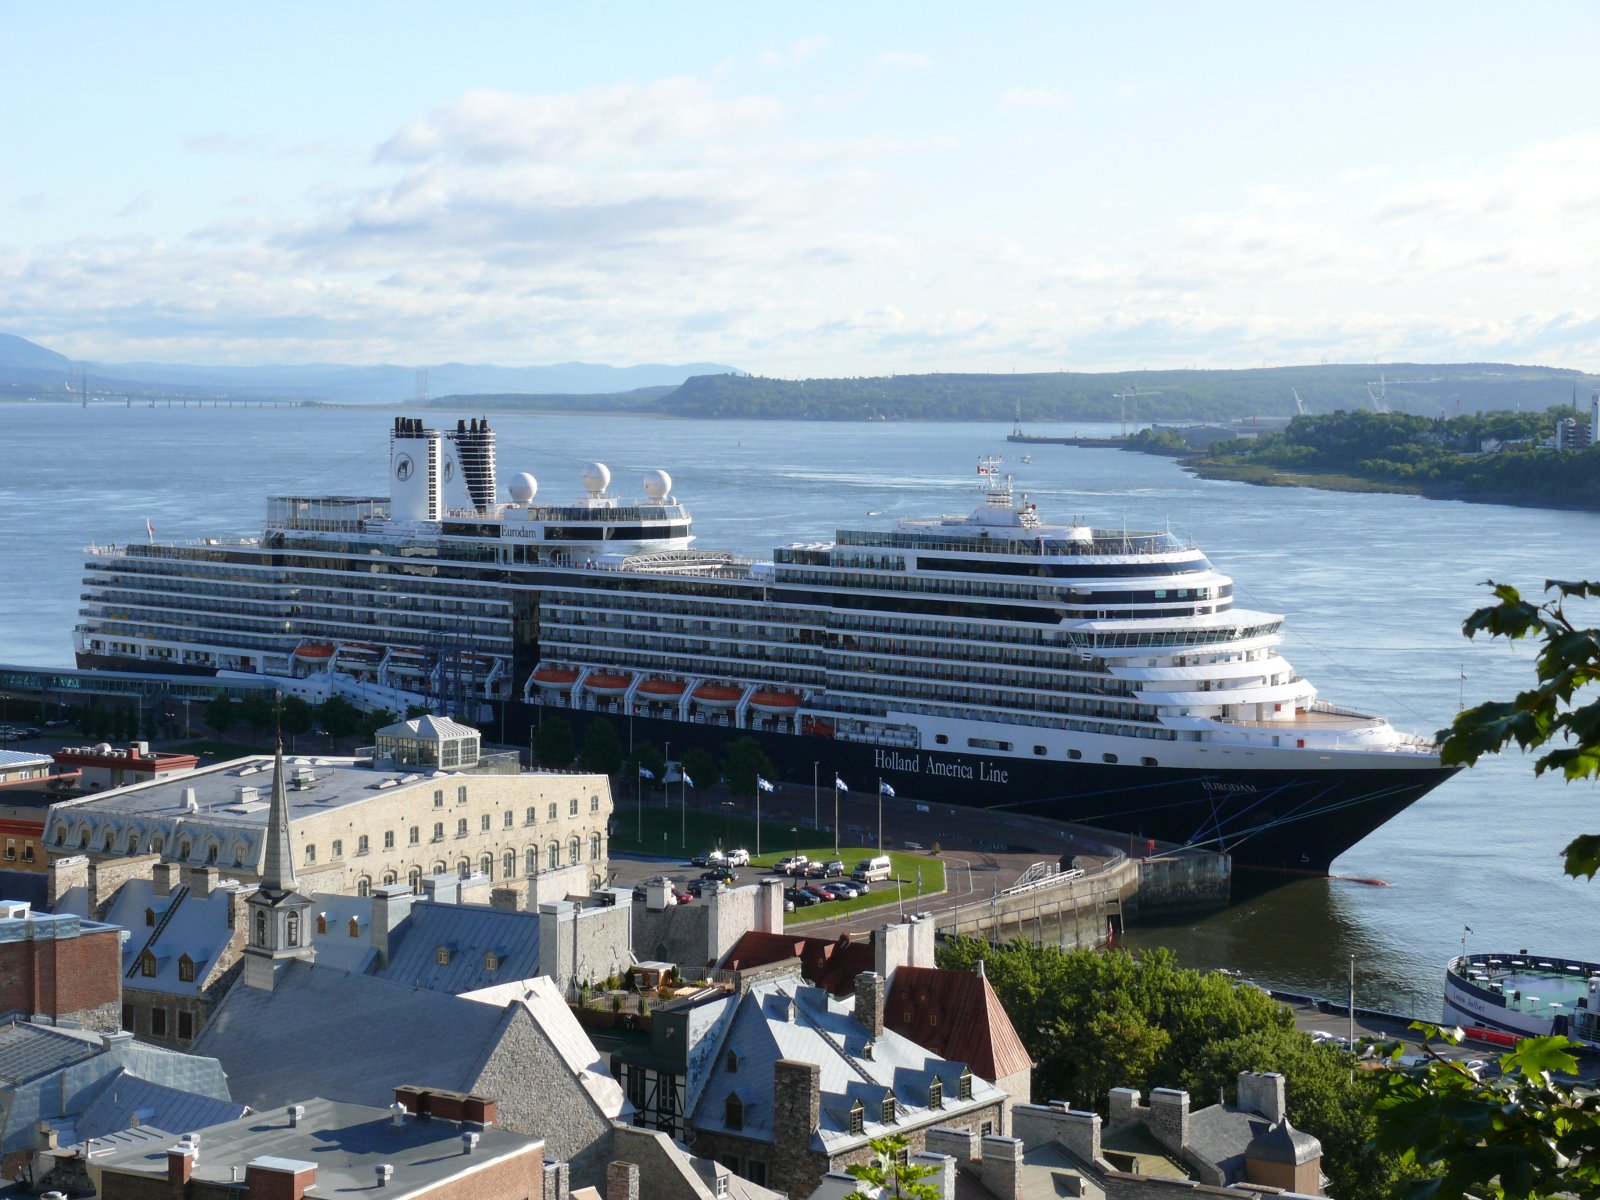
657 485
524 487
596 478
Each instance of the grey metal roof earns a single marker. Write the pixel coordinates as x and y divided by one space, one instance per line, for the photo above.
28 1051
197 927
1221 1135
347 1142
322 1031
778 1020
467 934
336 948
13 759
125 1096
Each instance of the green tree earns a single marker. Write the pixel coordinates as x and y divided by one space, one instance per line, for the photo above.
413 711
295 716
221 714
742 763
701 766
375 720
339 717
891 1173
257 710
1522 1134
602 750
552 743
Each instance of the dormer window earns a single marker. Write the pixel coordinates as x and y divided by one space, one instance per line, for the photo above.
965 1085
888 1110
185 969
491 961
858 1116
261 927
322 922
147 965
355 928
733 1112
442 956
866 1051
149 916
733 1060
936 1092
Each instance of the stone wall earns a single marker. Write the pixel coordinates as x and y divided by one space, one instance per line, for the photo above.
1184 883
586 944
1072 914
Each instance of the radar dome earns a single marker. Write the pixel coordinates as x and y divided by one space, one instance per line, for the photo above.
524 487
596 478
657 485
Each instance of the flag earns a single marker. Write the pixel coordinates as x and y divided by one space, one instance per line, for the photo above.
764 784
884 789
687 782
839 784
148 530
1468 928
646 773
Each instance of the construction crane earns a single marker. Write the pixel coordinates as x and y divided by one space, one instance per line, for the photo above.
1131 393
1379 398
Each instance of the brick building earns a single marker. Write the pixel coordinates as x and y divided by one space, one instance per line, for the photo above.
59 968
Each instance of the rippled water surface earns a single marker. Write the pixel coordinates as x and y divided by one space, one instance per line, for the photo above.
1374 588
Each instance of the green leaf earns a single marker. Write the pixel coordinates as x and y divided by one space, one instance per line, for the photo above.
1583 856
1538 1055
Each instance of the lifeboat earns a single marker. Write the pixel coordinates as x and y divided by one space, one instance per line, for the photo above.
607 685
661 689
313 650
717 695
555 679
775 702
407 652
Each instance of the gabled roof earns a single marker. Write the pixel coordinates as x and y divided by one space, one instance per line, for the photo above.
322 1031
1221 1134
28 1051
776 1021
830 965
126 1096
429 727
197 926
468 933
956 1014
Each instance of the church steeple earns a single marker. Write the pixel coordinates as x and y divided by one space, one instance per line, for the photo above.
280 929
277 857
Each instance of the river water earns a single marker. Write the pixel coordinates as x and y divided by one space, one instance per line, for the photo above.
1374 588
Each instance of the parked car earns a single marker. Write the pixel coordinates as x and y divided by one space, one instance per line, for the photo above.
683 897
721 875
738 858
798 898
816 870
695 887
836 867
841 889
820 892
711 858
871 870
790 864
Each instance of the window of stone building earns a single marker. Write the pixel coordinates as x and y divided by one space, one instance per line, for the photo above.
491 961
858 1116
133 844
733 1112
414 878
147 965
438 831
464 868
888 1110
552 812
322 922
292 926
186 1025
530 819
388 839
986 1129
158 1022
553 856
439 868
510 819
442 956
27 850
363 846
185 969
486 865
572 807
414 835
338 848
461 827
157 844
508 864
186 848
390 877
936 1092
110 840
484 823
574 850
128 1018
594 803
438 798
364 886
530 861
238 854
965 1085
754 1170
461 794
311 852
594 847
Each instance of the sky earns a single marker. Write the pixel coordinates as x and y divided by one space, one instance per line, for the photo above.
803 190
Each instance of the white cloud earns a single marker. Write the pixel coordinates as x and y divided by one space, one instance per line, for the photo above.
902 61
1036 99
796 52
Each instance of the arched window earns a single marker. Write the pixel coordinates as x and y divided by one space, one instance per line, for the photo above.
211 853
486 865
157 844
185 969
133 843
293 928
364 886
439 867
553 856
508 864
322 922
733 1112
463 867
574 850
390 877
414 878
261 927
594 847
530 861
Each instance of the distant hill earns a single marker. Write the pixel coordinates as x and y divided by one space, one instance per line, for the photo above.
25 364
1140 396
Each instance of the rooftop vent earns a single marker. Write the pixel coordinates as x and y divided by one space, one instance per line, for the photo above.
296 1111
243 794
469 1142
384 1172
191 802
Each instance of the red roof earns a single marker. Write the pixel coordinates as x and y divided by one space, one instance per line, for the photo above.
830 965
956 1015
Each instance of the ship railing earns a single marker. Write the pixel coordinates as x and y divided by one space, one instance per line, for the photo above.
155 549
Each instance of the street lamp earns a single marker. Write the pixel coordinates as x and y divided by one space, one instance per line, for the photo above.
794 840
816 810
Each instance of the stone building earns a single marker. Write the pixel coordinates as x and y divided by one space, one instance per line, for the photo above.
361 822
59 969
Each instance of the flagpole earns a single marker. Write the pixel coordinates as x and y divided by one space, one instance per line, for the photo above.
836 816
758 816
880 814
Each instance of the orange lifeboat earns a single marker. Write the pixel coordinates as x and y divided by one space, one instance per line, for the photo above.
661 689
775 702
555 679
313 650
717 695
607 685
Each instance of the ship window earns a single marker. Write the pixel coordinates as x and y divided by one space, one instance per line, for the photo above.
941 739
1110 758
1147 761
1040 750
1074 754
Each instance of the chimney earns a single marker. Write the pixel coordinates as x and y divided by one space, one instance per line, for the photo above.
163 876
507 898
959 1144
278 1178
294 1112
391 905
1125 1109
1169 1117
469 1142
478 1109
1001 1168
769 906
657 896
944 1172
442 889
622 1181
1078 1131
796 1115
414 1100
384 1172
1262 1092
891 950
180 1165
202 881
869 1002
555 1181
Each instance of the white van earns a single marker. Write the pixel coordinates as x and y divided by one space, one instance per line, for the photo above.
871 870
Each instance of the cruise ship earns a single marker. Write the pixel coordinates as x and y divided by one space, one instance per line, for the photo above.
996 658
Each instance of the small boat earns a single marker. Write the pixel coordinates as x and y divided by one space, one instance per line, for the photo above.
555 679
661 689
775 702
607 685
717 695
313 650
